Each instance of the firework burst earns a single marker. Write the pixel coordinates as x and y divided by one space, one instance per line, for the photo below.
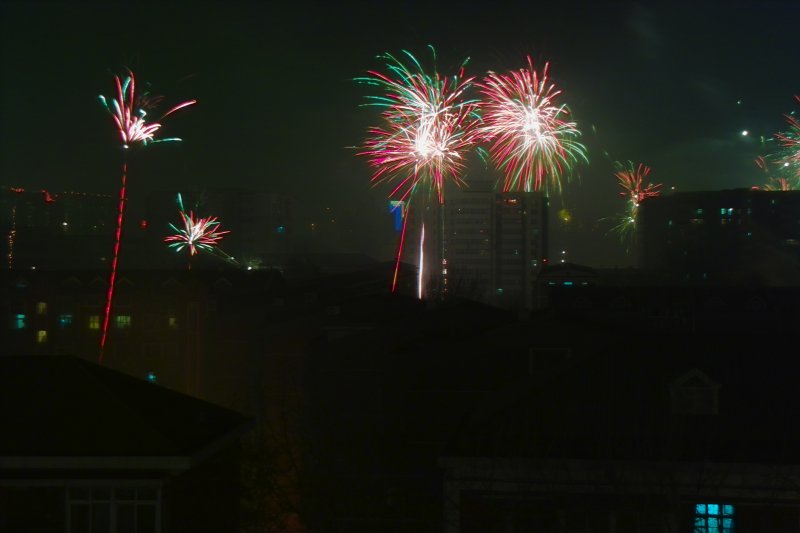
129 112
635 187
533 141
428 126
197 234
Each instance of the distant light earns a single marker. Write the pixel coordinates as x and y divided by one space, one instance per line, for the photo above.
563 251
249 268
151 377
786 164
738 102
33 268
745 133
64 223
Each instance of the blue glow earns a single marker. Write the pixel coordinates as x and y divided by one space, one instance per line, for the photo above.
397 208
65 320
151 377
568 284
700 508
18 322
281 229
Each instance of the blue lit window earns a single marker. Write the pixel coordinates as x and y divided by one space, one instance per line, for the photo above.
152 377
669 223
699 211
722 210
730 211
713 518
567 284
18 321
65 321
281 229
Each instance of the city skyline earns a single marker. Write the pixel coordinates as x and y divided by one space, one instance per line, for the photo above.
672 86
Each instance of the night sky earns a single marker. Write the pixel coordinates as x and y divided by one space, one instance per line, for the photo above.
651 82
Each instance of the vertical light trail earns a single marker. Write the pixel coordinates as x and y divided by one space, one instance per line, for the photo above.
118 235
400 249
421 261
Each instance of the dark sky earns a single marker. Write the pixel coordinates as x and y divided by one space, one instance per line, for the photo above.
650 82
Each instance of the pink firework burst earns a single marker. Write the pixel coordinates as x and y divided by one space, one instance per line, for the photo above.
200 233
533 141
428 126
129 112
632 180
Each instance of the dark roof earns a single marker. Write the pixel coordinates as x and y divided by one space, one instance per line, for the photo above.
67 407
614 402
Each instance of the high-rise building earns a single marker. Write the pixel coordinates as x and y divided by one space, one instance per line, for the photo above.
495 244
730 235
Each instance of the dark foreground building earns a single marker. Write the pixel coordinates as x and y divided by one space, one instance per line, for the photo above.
85 449
738 235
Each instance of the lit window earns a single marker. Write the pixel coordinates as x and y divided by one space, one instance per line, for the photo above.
94 322
65 321
713 518
567 284
699 211
172 322
721 210
18 321
41 336
152 377
123 321
41 308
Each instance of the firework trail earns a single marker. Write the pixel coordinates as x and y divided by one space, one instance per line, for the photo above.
129 112
635 187
428 126
196 234
533 141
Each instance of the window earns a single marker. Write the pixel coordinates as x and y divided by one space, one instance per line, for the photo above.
41 308
65 320
113 510
713 518
41 336
123 321
94 322
172 322
18 321
694 393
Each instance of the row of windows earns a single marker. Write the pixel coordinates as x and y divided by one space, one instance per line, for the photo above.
19 321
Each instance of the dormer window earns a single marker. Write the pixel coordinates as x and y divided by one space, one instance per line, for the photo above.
694 393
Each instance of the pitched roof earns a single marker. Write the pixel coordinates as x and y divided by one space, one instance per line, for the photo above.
67 407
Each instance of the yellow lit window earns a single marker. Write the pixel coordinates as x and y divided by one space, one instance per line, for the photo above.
173 322
41 336
123 321
41 308
94 322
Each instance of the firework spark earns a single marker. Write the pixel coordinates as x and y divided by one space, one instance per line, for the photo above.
428 127
790 142
533 141
774 183
129 111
